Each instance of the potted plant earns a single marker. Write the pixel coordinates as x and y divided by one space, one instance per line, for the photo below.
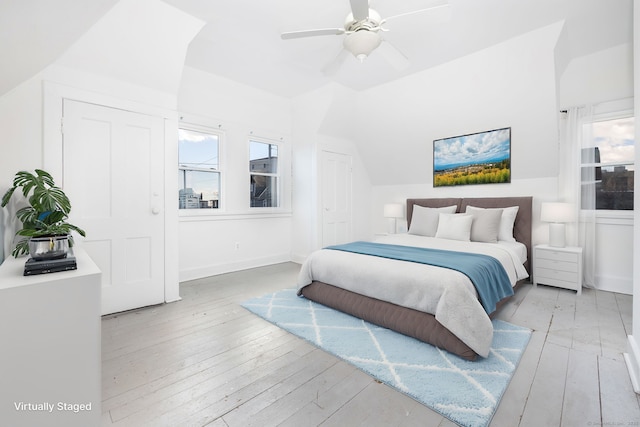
46 234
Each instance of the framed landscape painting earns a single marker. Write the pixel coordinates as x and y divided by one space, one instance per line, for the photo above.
477 158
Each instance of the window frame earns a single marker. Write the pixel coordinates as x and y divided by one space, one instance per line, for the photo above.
277 174
611 214
220 169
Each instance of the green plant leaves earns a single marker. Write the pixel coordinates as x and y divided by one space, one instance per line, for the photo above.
7 196
49 208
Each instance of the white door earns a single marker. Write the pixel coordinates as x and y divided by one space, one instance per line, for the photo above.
113 175
336 198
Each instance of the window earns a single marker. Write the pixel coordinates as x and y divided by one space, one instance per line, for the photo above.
608 167
264 174
198 169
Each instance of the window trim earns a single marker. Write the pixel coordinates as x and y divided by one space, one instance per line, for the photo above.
221 209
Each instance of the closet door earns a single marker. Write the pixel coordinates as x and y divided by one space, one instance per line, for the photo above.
336 171
113 174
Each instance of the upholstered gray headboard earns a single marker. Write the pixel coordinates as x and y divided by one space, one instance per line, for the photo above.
521 227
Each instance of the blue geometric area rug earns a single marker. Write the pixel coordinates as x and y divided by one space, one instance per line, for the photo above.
465 392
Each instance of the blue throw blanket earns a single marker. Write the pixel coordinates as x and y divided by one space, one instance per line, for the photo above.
485 272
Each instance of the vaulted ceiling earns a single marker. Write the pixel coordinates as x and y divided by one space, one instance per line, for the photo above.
241 38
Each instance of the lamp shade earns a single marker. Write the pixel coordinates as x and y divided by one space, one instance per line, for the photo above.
557 212
362 43
393 210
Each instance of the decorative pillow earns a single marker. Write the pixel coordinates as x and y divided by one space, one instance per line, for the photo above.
454 226
507 221
424 221
486 224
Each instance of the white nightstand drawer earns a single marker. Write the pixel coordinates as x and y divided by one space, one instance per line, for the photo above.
552 264
556 255
559 283
546 273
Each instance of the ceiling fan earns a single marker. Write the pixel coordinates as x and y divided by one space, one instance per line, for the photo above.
363 29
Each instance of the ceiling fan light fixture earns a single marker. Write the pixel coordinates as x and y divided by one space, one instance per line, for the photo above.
362 43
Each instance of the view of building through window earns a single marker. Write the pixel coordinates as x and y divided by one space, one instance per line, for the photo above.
608 169
615 140
263 168
198 170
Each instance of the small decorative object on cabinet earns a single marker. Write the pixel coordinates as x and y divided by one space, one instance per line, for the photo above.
560 267
46 234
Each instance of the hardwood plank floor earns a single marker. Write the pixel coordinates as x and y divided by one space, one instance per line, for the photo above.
205 361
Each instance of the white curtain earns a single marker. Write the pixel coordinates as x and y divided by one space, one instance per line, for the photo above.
577 184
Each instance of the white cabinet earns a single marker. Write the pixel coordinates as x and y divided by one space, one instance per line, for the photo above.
50 354
560 267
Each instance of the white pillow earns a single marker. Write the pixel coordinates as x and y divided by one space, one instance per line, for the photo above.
454 226
486 224
506 222
424 221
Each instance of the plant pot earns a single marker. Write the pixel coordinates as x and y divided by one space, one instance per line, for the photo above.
44 248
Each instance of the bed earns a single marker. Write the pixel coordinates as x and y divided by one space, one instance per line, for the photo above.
434 304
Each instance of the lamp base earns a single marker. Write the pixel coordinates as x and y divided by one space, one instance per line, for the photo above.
391 225
557 235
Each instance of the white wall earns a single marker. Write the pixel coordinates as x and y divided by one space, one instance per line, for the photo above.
235 236
632 357
509 85
21 144
603 76
323 120
143 42
614 253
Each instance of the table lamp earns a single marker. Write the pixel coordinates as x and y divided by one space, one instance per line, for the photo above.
393 211
557 214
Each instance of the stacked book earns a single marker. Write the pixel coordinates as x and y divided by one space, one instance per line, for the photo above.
32 267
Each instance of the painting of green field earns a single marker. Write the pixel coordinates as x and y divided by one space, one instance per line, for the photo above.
478 158
489 173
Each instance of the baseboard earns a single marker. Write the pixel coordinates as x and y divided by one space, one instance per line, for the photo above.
298 259
632 359
214 270
620 285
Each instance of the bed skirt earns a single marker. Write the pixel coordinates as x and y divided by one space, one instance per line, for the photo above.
414 323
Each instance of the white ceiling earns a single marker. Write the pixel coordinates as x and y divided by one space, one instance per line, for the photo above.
241 40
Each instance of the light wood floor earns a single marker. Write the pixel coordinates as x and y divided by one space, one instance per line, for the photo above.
205 361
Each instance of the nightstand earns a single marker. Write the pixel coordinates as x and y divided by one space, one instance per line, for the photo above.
560 267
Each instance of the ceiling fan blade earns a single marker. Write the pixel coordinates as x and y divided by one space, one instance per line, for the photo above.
439 12
312 33
393 56
332 67
360 9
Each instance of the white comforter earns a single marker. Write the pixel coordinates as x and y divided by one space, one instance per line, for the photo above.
445 293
